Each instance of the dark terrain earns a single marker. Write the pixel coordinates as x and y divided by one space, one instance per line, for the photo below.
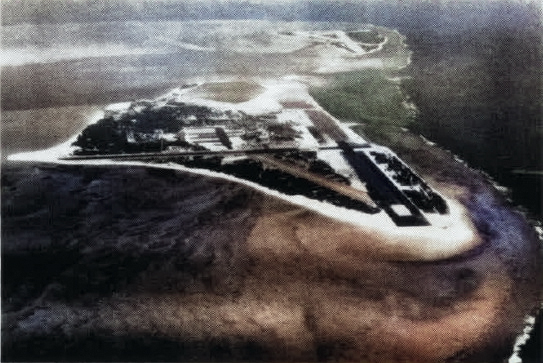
133 264
121 263
480 96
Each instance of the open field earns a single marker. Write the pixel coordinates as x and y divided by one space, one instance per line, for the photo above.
365 96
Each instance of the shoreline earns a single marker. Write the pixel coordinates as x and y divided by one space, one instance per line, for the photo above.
388 246
489 303
447 236
396 239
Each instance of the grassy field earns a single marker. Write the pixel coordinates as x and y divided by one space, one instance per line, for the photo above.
366 97
477 94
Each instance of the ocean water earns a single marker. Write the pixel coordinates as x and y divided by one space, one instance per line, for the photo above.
49 69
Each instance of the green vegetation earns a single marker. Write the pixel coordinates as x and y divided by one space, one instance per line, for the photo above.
367 97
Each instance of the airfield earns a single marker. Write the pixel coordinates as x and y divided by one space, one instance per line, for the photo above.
397 225
164 255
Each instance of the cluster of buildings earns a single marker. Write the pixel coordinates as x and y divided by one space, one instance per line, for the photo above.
212 129
305 142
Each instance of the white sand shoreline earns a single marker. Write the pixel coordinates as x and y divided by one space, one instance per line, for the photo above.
448 235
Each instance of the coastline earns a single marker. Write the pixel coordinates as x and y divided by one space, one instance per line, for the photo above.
345 260
448 235
285 239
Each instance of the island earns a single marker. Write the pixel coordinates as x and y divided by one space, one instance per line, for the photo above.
284 142
263 198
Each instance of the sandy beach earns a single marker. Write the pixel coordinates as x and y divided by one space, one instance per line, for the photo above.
125 261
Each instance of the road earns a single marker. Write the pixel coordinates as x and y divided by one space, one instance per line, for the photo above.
346 190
